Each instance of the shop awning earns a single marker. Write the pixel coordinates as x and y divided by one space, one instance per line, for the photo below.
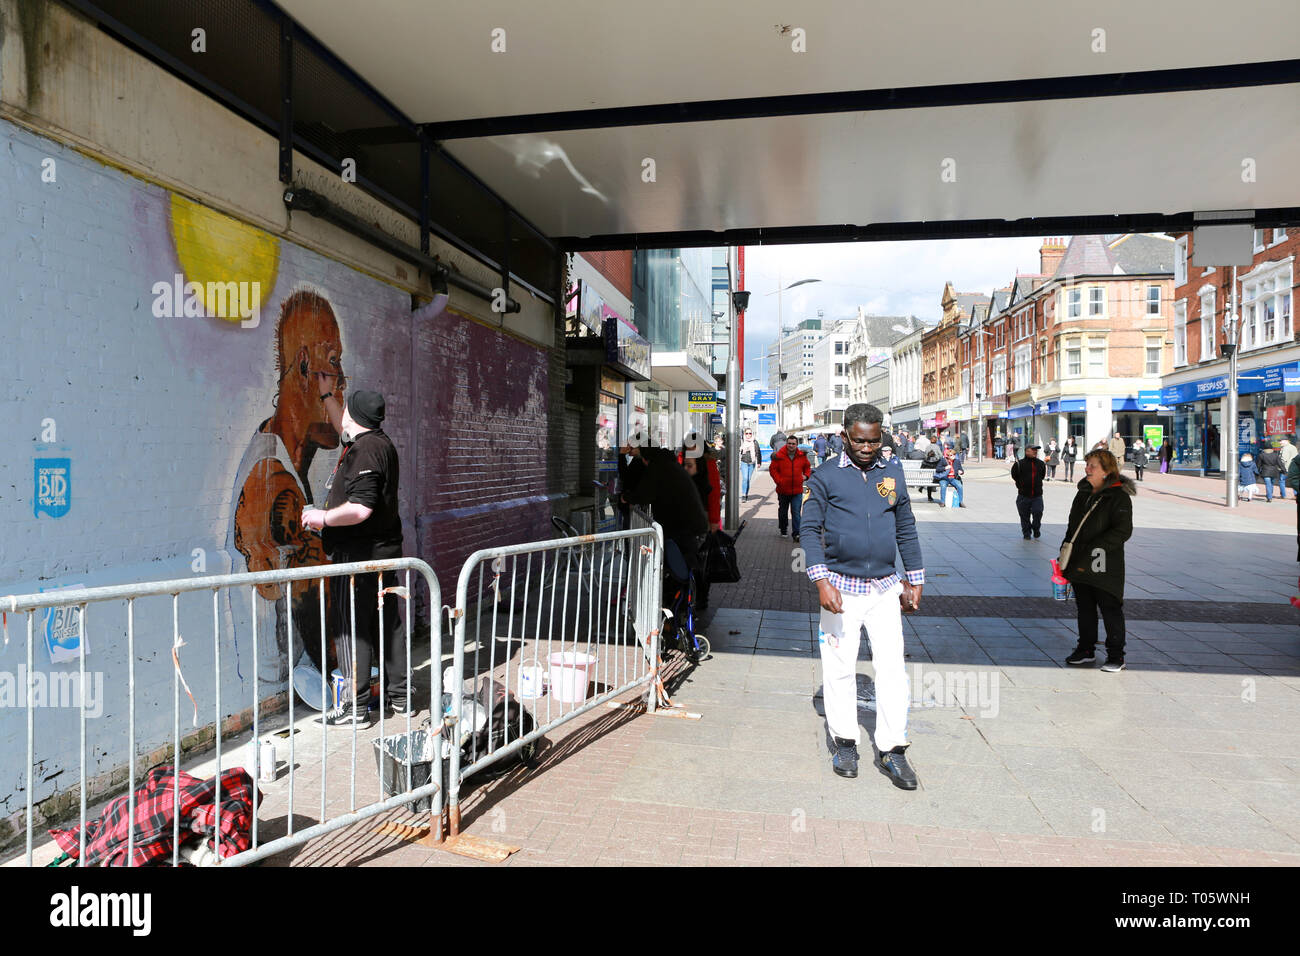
680 373
1271 378
1064 405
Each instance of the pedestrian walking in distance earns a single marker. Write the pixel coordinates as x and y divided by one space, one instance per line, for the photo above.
1139 458
789 469
857 519
1287 453
1069 455
1053 459
1028 473
1247 476
1101 520
1166 456
751 456
1269 465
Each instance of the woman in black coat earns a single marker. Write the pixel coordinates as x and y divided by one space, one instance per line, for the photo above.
1069 455
1269 466
1140 458
1102 517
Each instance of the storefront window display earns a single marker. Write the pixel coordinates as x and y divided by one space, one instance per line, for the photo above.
1196 436
609 410
1273 417
1077 425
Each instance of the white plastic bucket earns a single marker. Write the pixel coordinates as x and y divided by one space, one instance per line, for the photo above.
569 678
532 682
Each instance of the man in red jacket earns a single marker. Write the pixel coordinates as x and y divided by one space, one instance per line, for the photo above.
789 467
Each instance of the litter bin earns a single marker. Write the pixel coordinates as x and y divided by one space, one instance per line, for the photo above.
395 753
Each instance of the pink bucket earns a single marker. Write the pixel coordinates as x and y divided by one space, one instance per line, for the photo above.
569 676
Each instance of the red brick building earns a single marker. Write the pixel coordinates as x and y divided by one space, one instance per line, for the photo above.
941 380
1072 348
1204 308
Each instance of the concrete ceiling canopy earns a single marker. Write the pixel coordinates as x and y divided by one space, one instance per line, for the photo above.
763 114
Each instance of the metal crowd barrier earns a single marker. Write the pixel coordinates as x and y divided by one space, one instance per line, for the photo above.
595 597
82 598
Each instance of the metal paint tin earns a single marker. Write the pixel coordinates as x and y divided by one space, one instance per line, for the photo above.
266 762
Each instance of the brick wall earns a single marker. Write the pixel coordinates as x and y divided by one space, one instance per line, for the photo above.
616 266
1221 281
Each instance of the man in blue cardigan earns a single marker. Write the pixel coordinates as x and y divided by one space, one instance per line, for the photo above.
856 520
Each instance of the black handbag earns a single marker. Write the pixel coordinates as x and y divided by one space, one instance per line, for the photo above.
720 564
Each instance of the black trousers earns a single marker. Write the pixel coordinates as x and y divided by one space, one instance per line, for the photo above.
1031 513
1090 600
1069 469
366 594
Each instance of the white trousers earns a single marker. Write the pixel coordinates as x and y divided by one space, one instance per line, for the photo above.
838 638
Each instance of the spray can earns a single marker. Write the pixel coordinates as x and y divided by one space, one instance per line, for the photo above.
266 761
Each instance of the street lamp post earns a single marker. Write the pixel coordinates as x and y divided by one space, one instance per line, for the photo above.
739 303
1229 348
780 334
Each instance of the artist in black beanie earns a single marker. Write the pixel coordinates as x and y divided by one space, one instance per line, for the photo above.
360 523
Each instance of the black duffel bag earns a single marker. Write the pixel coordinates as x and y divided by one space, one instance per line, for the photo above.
720 564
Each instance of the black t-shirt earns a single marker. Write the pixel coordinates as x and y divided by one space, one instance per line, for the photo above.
366 474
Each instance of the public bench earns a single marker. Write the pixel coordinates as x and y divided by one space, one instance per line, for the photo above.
919 477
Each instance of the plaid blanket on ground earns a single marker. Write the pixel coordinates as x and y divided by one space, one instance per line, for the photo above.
155 809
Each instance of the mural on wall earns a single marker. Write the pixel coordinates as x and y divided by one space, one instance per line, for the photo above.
272 487
228 270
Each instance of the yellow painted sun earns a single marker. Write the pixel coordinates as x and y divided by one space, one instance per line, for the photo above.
215 250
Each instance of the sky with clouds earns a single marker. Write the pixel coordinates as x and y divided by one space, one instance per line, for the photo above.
885 278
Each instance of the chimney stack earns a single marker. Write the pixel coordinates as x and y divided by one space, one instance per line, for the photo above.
1050 255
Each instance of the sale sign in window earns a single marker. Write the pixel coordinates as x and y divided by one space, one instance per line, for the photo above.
1279 420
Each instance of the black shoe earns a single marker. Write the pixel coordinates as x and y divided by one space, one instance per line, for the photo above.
795 539
844 758
1038 534
1026 537
402 708
1113 665
1080 656
781 532
341 716
894 765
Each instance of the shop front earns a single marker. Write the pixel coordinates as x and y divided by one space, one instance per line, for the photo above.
993 420
906 416
618 411
1065 418
1019 425
1266 403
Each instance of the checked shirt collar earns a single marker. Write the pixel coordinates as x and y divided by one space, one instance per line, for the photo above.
846 461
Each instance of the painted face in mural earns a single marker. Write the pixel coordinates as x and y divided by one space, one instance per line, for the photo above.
311 352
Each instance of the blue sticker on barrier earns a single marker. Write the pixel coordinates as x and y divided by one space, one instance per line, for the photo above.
52 491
